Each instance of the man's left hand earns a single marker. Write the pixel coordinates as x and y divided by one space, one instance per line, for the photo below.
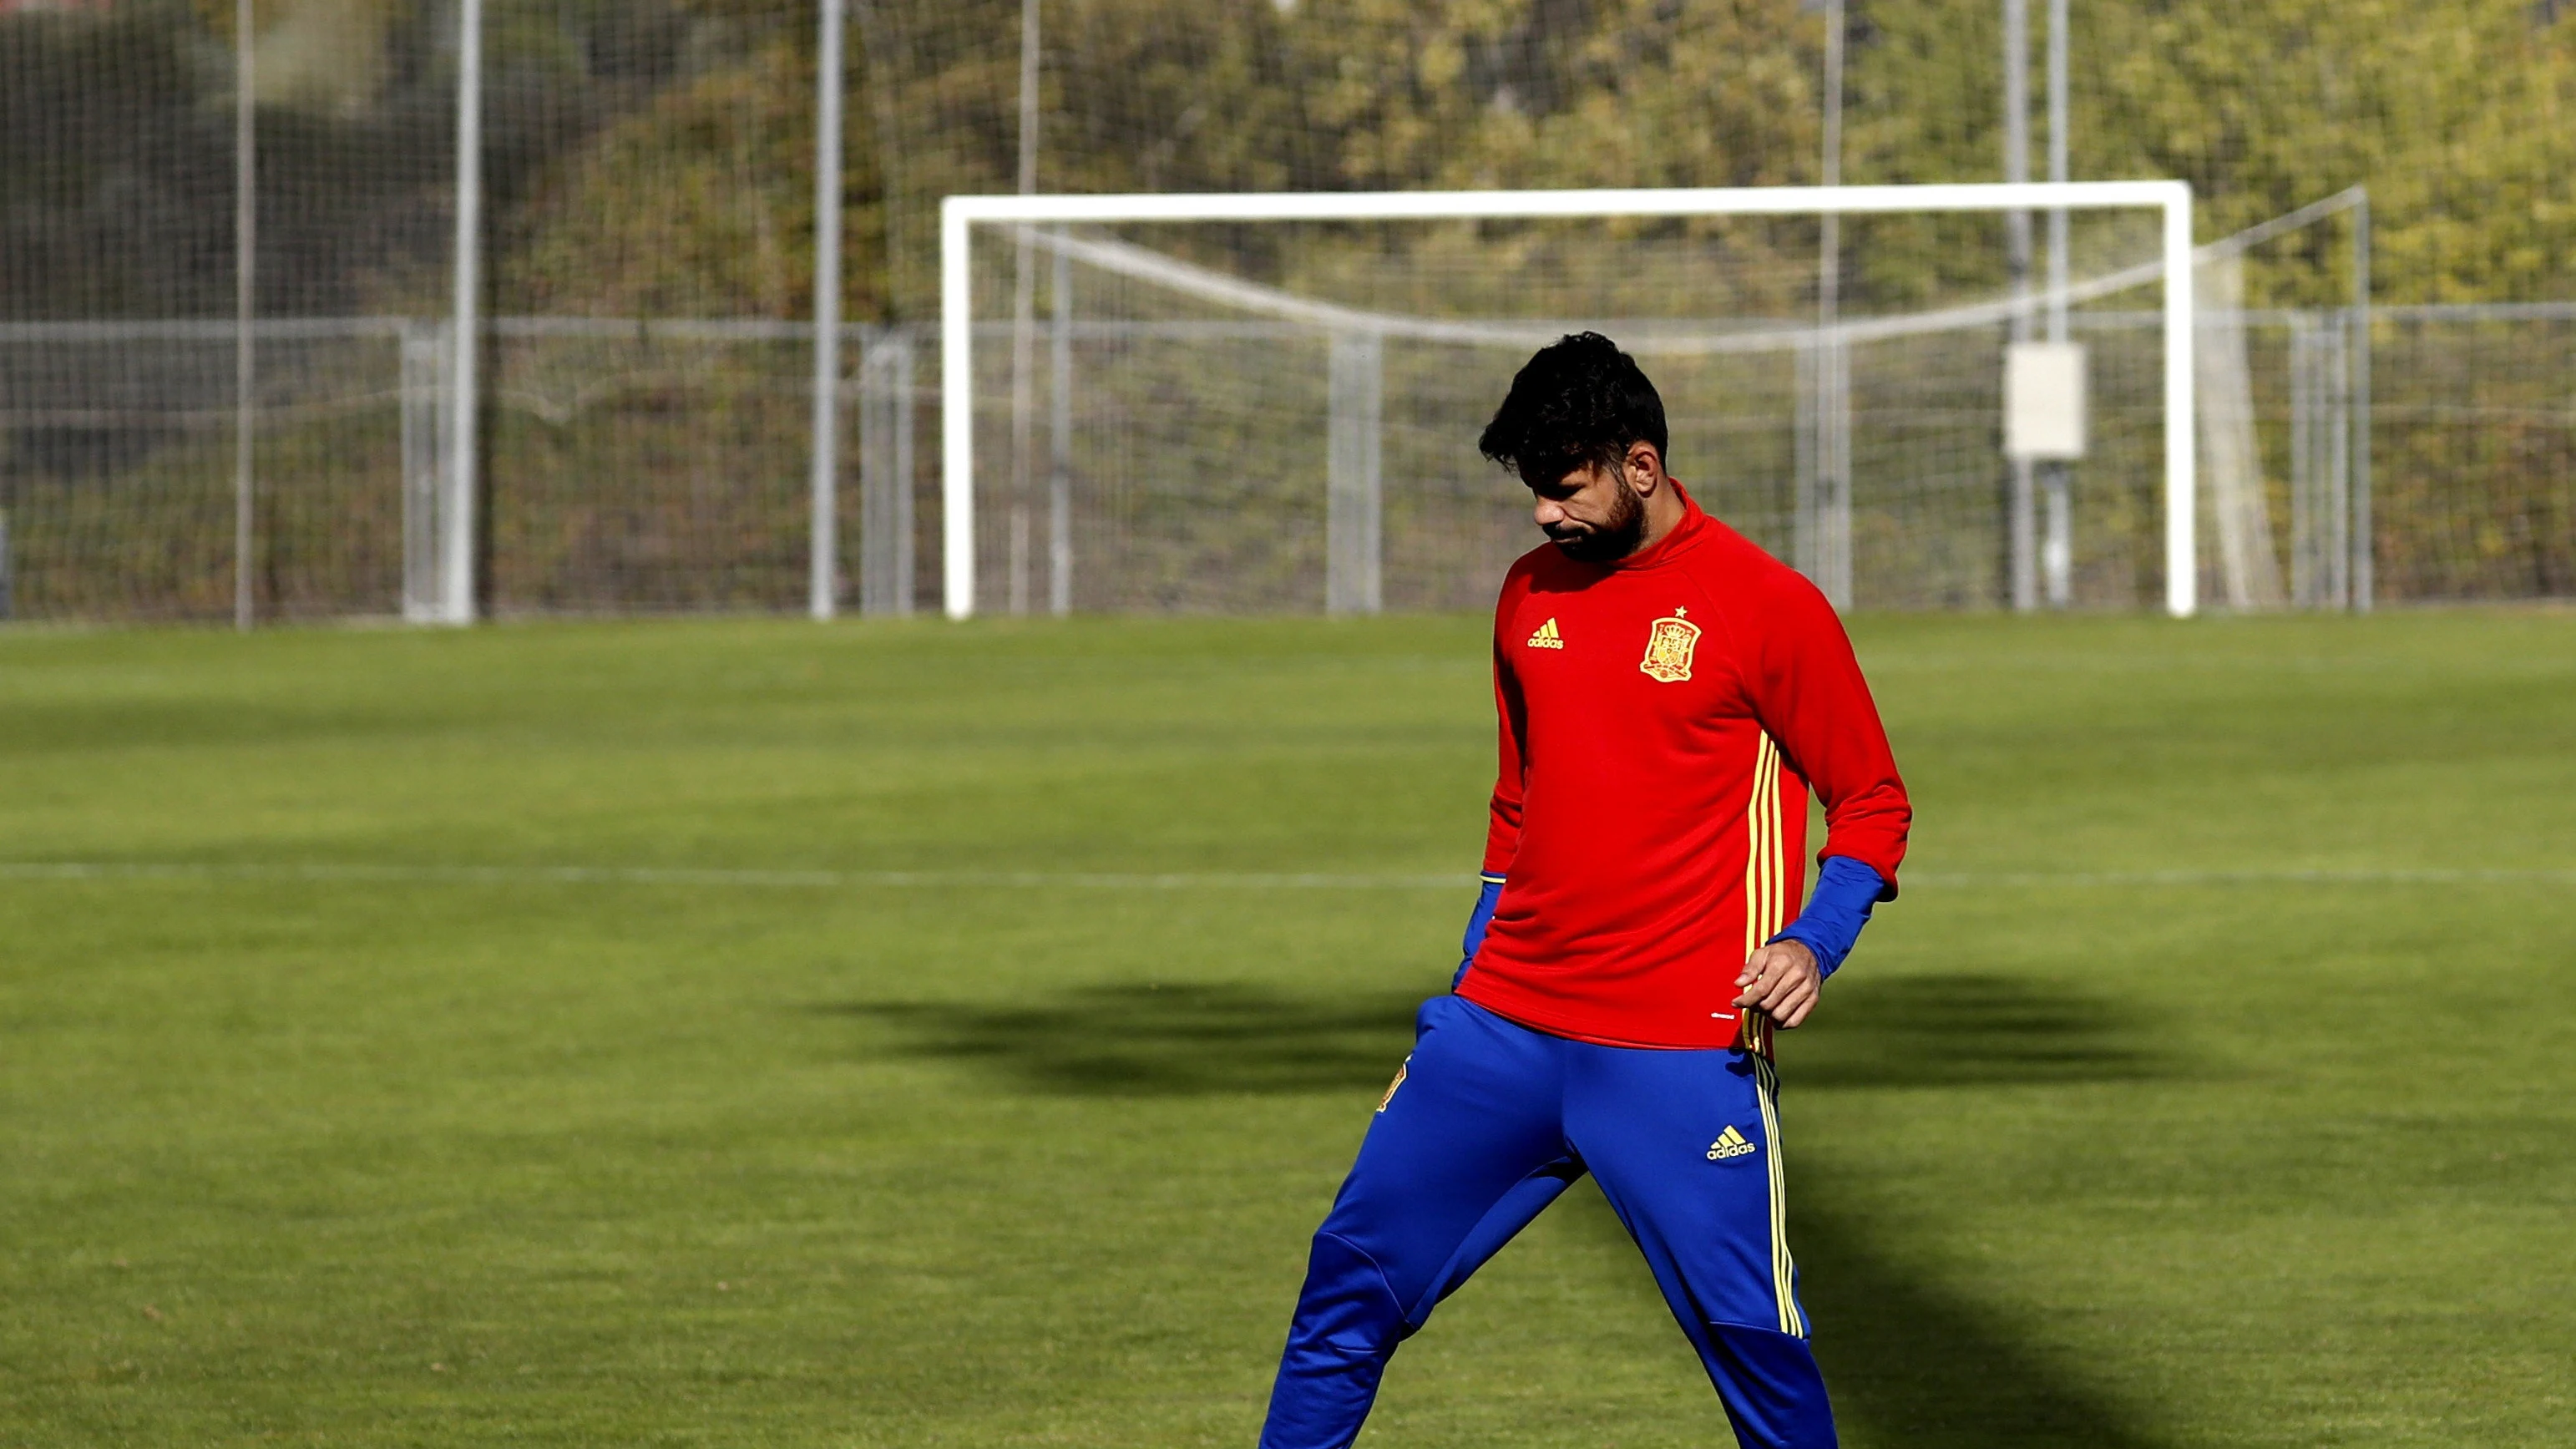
1783 981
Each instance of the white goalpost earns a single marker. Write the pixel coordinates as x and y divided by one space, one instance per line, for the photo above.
2170 201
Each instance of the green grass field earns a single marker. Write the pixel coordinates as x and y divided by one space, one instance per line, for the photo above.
2118 1131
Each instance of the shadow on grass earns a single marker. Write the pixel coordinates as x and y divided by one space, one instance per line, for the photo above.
1915 1364
1168 1041
1965 1030
1207 1038
1910 1361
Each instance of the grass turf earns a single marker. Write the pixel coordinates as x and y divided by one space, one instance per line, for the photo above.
2080 1153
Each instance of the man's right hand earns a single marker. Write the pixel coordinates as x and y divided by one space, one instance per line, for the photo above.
1782 981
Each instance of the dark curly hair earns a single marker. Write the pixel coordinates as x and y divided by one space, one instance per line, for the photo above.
1578 400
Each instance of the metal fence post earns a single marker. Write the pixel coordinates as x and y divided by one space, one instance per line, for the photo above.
2335 437
2364 565
2021 538
824 567
2056 479
1353 494
1060 443
2320 459
424 470
1806 470
885 475
1840 582
456 516
245 308
1824 416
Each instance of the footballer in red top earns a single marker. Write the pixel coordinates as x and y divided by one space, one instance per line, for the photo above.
1667 695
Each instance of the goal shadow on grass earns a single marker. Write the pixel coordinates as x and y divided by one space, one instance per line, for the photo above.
1213 1038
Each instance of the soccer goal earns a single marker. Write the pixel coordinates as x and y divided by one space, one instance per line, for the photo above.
1268 402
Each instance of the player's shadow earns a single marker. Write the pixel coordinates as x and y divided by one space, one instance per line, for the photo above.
1969 1030
1143 1040
1204 1038
1909 1361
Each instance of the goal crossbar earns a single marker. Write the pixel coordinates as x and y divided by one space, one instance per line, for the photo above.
958 215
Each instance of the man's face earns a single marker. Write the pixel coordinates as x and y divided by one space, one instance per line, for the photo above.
1589 511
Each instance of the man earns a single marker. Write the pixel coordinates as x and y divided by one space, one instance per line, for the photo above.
1668 693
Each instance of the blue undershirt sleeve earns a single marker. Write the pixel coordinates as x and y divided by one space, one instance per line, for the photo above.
1477 921
1830 925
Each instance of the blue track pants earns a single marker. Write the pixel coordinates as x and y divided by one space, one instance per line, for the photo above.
1487 1123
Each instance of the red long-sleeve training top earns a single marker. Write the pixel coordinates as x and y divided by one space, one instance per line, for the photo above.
1662 719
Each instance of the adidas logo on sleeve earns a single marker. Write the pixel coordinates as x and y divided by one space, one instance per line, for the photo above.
1729 1143
1547 637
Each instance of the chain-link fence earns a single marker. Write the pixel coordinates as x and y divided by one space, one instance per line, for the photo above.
645 427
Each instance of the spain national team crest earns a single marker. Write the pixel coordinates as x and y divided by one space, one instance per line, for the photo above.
1669 648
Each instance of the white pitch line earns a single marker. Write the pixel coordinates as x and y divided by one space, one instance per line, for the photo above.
696 876
505 875
2281 876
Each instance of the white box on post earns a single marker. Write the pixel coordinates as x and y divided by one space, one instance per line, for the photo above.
2044 401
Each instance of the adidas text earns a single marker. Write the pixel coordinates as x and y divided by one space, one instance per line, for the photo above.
1547 637
1729 1143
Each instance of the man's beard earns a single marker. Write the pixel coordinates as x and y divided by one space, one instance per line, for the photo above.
1610 541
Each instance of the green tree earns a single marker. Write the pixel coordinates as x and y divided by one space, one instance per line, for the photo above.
700 203
2455 113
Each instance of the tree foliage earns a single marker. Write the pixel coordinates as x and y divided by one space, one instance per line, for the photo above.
700 203
656 155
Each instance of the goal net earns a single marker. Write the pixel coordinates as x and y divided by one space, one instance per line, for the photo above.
1256 403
